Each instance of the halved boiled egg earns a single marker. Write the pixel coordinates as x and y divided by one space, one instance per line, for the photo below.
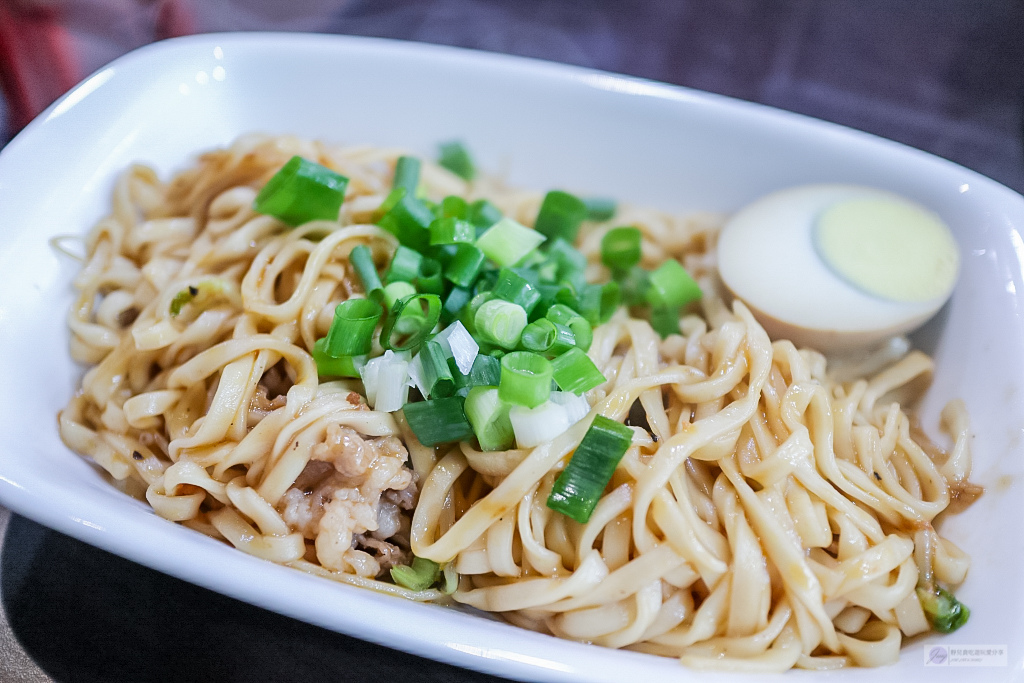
838 267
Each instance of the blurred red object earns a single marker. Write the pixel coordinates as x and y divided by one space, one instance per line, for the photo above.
47 46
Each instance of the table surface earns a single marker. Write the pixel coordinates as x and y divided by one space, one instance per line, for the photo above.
941 75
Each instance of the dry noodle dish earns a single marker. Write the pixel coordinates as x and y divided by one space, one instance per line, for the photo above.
402 375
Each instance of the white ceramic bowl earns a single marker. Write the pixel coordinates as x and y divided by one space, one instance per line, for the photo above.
545 125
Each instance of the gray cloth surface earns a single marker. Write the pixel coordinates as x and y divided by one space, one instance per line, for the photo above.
943 75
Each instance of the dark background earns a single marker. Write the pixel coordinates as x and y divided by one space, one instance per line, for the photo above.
945 76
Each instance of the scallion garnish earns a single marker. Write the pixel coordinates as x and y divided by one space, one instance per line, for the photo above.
500 322
200 295
429 278
437 378
351 332
465 265
450 230
405 265
600 208
456 159
574 371
525 379
440 420
507 242
395 291
483 214
362 262
560 215
458 343
329 366
410 321
419 576
407 174
580 485
302 191
488 415
407 218
534 426
944 612
516 289
454 303
570 263
620 248
454 206
665 321
671 286
547 338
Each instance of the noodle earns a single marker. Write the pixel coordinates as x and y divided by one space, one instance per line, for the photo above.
766 515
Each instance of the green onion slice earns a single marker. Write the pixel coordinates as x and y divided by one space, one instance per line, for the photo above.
500 322
351 332
407 218
581 484
671 286
620 248
507 242
419 576
665 321
302 191
465 265
407 174
361 259
449 230
483 214
525 379
574 371
516 289
547 338
944 612
439 420
560 216
600 208
489 416
329 366
429 278
456 159
410 321
405 265
395 291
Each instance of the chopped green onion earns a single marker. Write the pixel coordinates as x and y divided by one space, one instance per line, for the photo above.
410 321
454 206
419 576
507 242
600 208
328 366
580 485
437 378
386 380
944 612
351 332
440 420
672 286
514 288
489 416
302 191
561 314
405 265
407 174
429 279
620 248
361 259
665 321
560 216
451 231
486 371
407 218
570 263
453 305
635 282
500 322
576 407
582 332
456 342
200 295
525 379
395 291
456 159
483 214
465 265
547 338
534 426
574 371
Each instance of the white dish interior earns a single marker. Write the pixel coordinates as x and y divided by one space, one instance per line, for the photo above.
543 126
